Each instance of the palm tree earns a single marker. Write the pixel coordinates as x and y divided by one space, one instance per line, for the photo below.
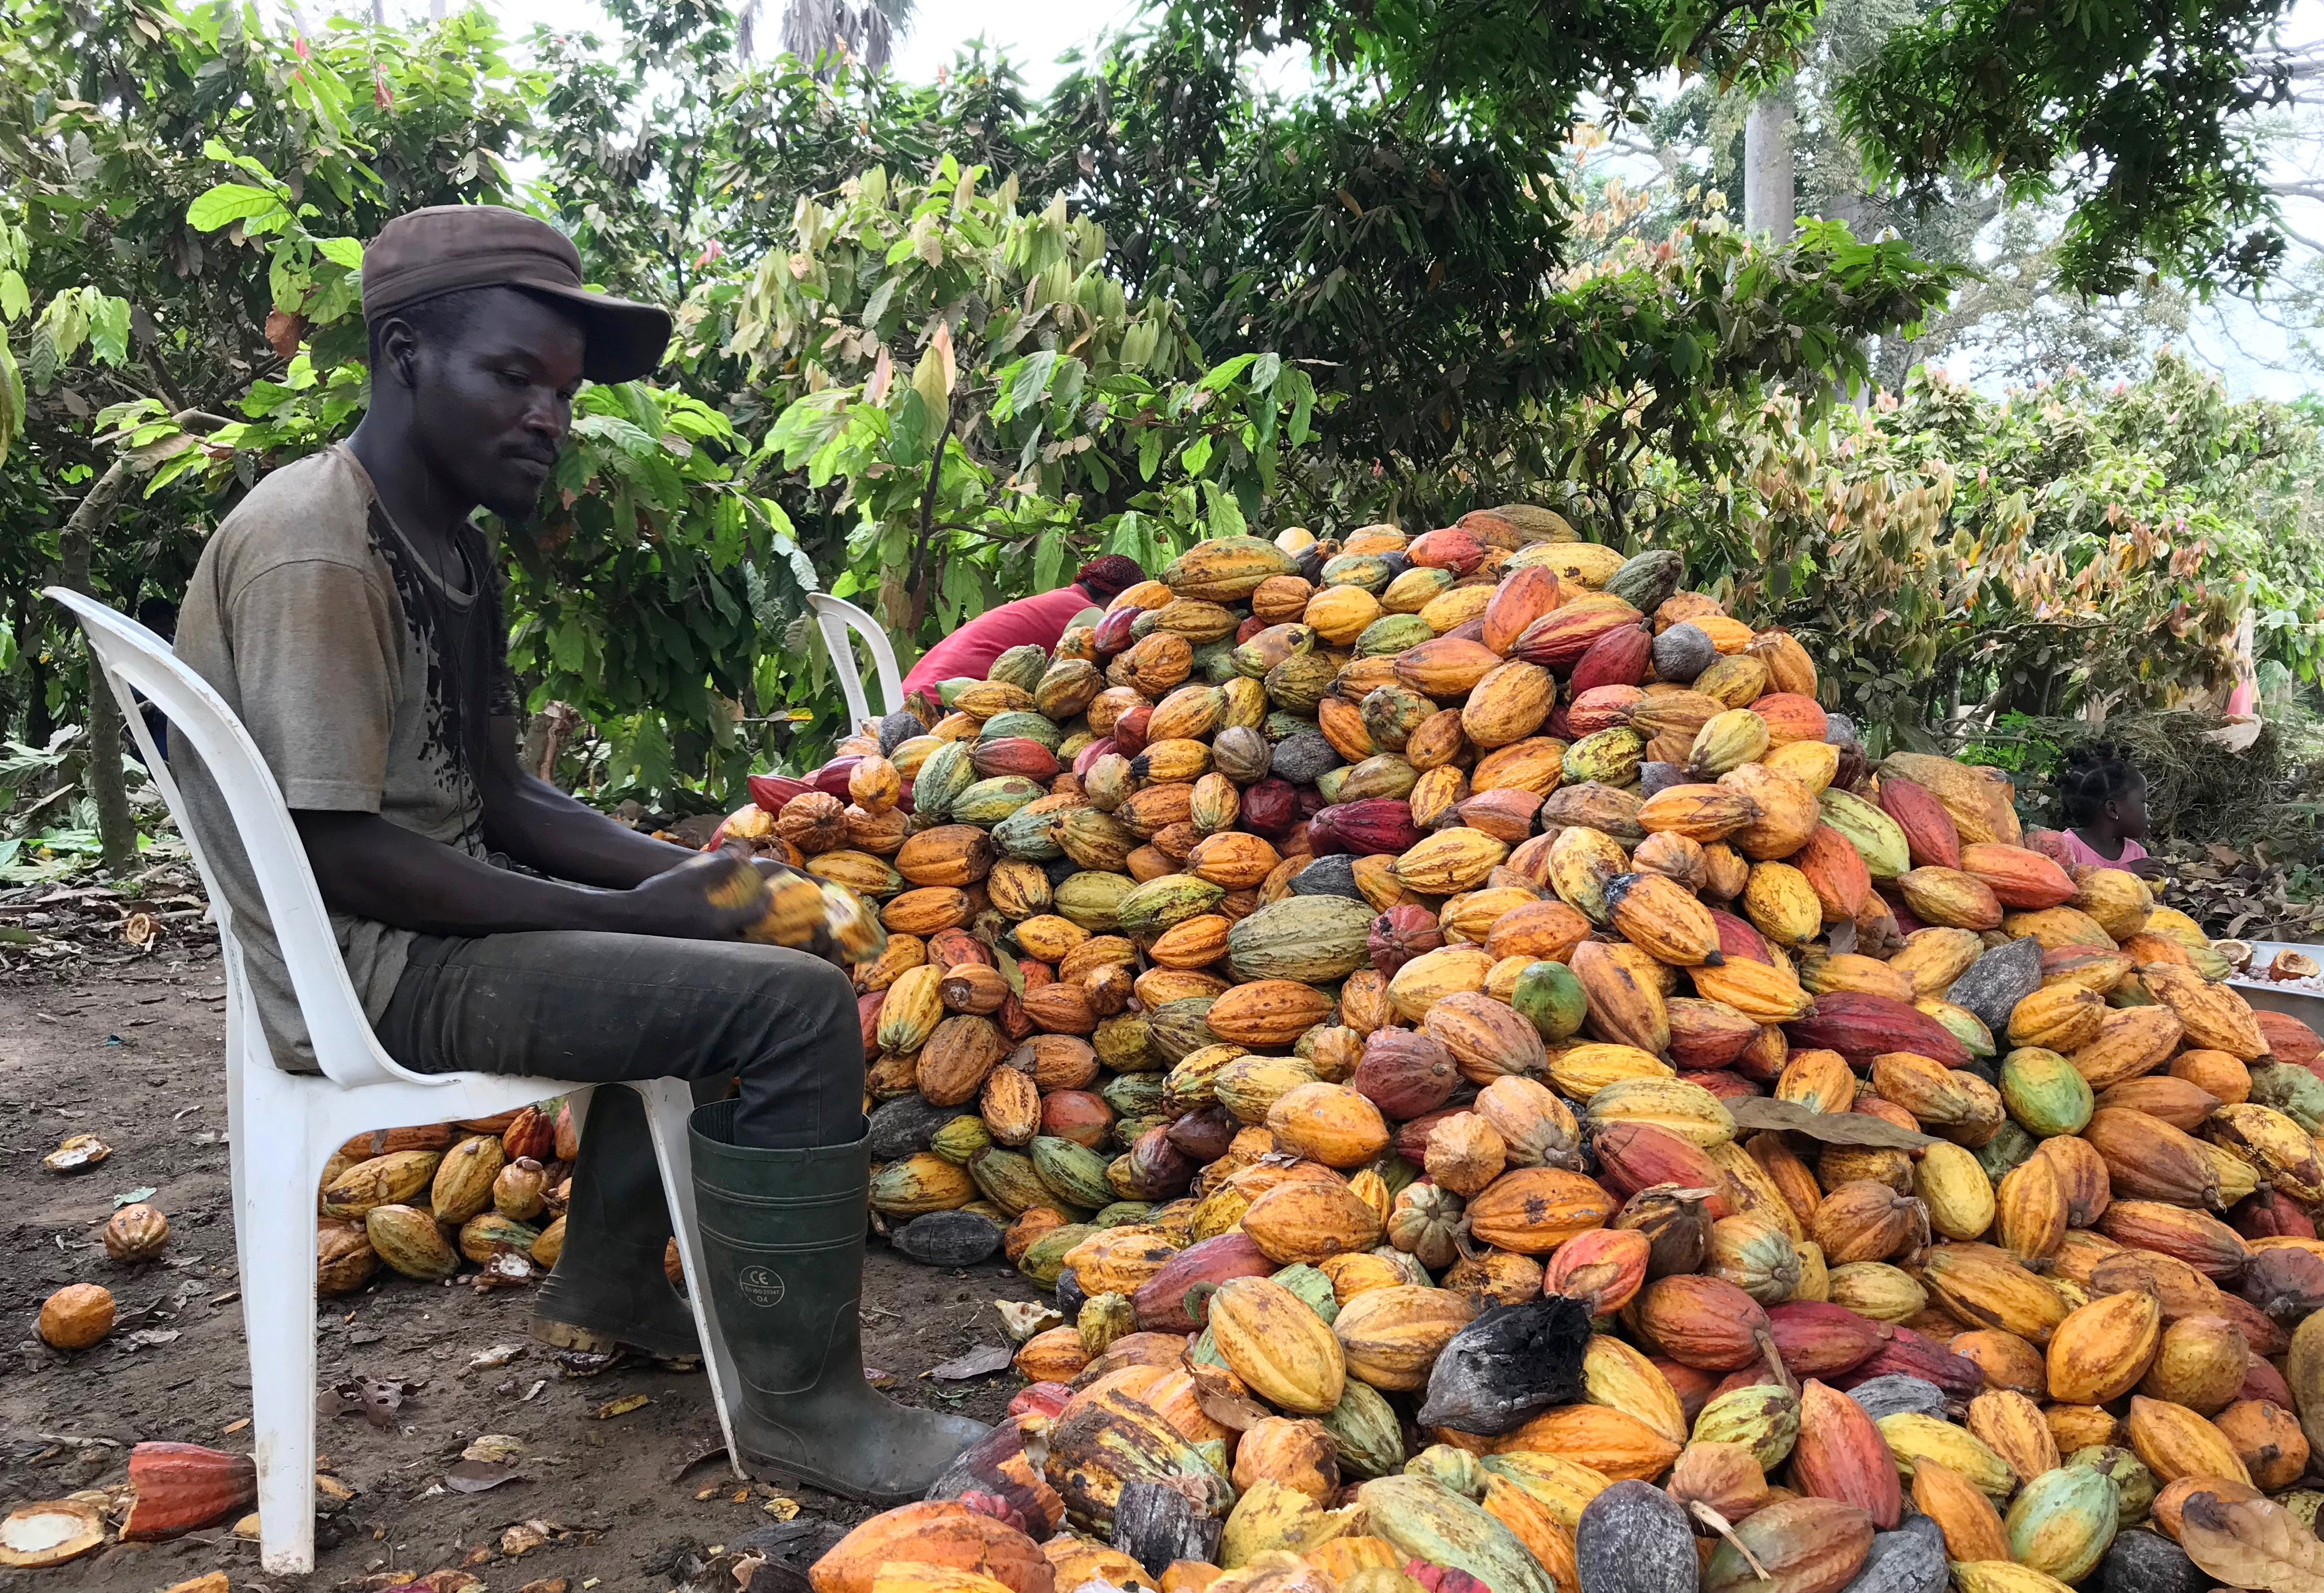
824 32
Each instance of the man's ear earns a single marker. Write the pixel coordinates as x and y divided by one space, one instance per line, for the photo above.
399 348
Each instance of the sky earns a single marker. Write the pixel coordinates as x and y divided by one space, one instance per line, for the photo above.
1032 32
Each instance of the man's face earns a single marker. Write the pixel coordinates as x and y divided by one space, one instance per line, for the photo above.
493 404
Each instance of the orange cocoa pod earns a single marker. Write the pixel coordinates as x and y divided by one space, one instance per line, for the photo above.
2007 1361
2014 1427
1840 1455
1971 1526
2170 1502
2081 1427
2268 1440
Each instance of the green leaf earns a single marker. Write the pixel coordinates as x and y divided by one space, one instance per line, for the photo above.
228 203
346 252
1264 370
108 326
1031 380
1049 560
12 398
1226 517
15 297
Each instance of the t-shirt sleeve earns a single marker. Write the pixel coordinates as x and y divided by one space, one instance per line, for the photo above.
316 665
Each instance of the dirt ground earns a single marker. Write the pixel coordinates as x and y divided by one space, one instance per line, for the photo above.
641 1501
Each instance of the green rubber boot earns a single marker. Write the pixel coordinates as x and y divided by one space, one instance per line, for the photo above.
608 1285
782 1239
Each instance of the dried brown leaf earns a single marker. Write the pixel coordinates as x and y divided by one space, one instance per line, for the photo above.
1831 1128
2255 1544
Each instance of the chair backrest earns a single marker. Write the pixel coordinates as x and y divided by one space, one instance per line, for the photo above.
137 661
836 618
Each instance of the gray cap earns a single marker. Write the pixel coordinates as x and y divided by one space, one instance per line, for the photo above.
426 253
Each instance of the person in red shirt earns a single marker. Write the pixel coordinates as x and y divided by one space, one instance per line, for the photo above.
1037 622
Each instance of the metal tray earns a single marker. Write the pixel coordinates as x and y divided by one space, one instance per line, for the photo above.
2307 1006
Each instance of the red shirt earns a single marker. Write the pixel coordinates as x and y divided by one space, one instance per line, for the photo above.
1038 621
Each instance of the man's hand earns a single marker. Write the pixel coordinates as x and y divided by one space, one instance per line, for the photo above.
2146 868
684 902
822 946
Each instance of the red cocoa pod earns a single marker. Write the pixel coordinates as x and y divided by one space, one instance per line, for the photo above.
1930 835
1366 827
1738 938
1723 1084
2262 1381
1705 1035
1161 1300
867 1015
1860 1025
1402 933
1404 1073
1080 1116
1205 1132
1040 1399
1270 807
2271 1214
832 778
770 791
2284 1284
1112 631
1156 1169
1634 1156
1089 755
2263 1334
1916 1355
1819 1339
1410 1140
1617 658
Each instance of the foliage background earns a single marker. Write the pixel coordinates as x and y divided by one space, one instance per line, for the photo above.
940 343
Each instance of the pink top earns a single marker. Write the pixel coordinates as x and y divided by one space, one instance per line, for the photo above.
2087 857
1038 621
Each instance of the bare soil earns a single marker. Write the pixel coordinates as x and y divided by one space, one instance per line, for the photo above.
640 1501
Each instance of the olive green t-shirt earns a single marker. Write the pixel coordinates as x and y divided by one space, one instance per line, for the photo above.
369 682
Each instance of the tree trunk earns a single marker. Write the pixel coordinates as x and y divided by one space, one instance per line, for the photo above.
545 738
116 830
30 622
1769 206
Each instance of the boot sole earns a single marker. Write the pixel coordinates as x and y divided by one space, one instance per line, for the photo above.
762 1469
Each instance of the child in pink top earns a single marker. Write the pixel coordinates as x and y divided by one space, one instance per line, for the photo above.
2105 798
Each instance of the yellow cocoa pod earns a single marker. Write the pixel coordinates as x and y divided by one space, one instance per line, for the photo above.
2099 1352
2175 1442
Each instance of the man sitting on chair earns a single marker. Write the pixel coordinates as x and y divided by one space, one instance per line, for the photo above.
349 611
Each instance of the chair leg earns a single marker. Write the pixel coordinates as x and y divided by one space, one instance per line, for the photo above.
274 1238
669 1105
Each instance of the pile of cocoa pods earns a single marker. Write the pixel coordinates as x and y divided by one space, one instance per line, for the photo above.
1504 1093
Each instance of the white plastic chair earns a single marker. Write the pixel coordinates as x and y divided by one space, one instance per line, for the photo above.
282 1127
836 618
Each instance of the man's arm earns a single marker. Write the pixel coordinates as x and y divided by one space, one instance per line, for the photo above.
541 828
373 869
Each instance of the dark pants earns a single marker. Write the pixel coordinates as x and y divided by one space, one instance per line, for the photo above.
600 1007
